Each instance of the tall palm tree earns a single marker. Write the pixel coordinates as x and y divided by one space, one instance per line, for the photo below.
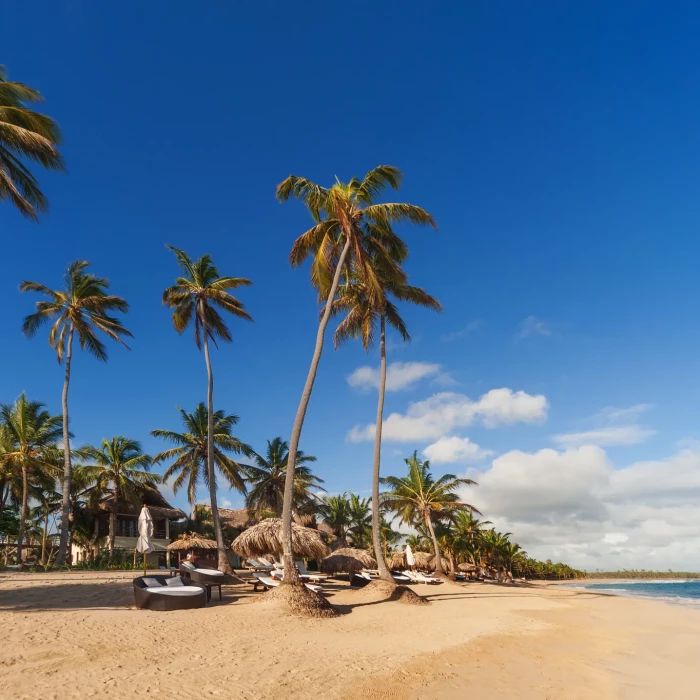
197 295
363 313
467 531
349 227
120 467
360 527
205 434
335 512
24 134
34 434
266 479
418 496
82 307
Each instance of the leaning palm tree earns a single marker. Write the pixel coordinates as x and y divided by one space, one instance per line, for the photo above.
205 434
267 474
196 295
365 311
24 134
119 467
349 227
82 308
419 497
34 434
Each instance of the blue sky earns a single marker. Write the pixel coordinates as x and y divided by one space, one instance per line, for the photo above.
556 145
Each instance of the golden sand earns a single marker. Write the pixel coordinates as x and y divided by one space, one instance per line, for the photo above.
73 635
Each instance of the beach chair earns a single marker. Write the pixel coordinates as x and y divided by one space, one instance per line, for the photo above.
422 578
399 577
268 582
360 580
200 575
257 565
307 575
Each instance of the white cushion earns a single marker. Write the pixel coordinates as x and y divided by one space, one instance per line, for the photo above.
151 582
187 564
210 572
175 581
176 590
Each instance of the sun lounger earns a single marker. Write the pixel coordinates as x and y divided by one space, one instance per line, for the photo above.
360 580
307 575
163 593
400 578
268 582
200 575
257 565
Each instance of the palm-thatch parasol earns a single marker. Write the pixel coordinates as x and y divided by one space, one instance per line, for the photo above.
266 538
397 561
467 568
191 540
443 560
348 561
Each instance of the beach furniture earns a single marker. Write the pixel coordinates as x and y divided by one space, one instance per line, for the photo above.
399 577
200 575
268 582
164 593
258 565
307 575
360 580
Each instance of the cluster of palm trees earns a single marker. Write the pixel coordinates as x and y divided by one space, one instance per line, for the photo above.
356 260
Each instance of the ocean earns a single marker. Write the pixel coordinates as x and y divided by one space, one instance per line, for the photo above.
682 592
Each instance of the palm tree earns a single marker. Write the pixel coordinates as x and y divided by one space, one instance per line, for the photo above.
82 307
467 532
266 479
335 512
120 467
364 311
360 527
348 227
204 436
34 434
510 553
418 496
24 134
197 295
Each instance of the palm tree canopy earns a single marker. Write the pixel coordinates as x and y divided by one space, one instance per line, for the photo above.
190 451
267 475
419 494
32 435
360 516
198 294
83 305
349 212
118 463
335 512
363 310
24 134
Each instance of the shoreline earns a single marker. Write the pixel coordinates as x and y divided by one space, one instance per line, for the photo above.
75 636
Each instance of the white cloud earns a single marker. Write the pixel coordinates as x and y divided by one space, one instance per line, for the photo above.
471 327
399 375
532 326
454 449
614 435
444 412
608 431
573 506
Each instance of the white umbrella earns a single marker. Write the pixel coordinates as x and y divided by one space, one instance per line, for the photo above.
144 544
410 559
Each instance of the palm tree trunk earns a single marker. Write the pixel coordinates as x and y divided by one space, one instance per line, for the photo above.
384 572
438 561
112 531
95 537
67 469
291 575
4 491
45 535
223 564
453 568
22 514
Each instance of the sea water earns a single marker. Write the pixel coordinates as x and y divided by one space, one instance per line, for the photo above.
683 592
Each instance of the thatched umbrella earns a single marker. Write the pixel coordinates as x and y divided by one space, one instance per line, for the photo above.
444 561
348 561
266 538
190 542
397 561
467 568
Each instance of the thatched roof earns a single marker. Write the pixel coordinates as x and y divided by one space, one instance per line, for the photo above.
149 496
238 519
464 566
348 561
191 540
397 561
266 538
443 560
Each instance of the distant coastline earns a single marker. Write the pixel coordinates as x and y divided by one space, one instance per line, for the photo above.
641 574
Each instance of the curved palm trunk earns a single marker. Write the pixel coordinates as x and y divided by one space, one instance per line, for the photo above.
22 514
384 572
291 575
63 553
223 564
45 535
438 561
453 568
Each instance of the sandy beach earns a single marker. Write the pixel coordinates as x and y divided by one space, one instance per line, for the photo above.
74 635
